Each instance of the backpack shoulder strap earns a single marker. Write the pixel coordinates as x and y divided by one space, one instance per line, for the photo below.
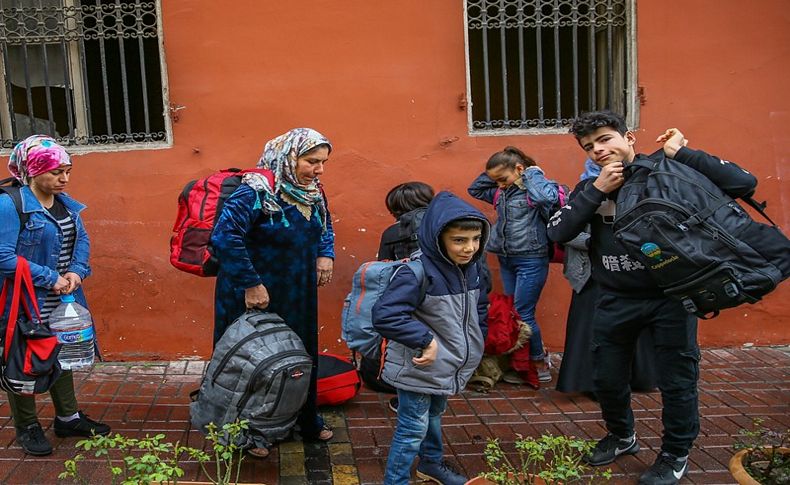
647 163
415 265
16 197
758 206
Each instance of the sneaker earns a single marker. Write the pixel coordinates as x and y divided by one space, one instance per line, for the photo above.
667 470
82 426
31 438
609 448
393 404
544 371
544 375
441 473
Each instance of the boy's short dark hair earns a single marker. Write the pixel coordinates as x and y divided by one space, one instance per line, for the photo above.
408 196
467 224
508 158
588 122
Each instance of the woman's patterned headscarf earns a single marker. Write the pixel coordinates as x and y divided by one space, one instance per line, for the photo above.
35 155
279 156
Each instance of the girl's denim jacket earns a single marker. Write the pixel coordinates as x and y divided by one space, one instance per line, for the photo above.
39 242
522 213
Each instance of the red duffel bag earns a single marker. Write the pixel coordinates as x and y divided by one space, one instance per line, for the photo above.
338 380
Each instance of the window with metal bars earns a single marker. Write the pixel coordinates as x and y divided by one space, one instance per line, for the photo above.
536 64
86 72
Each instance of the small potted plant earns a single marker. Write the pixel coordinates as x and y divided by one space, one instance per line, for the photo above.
762 456
546 460
151 460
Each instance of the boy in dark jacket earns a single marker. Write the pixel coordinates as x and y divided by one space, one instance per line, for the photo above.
435 330
630 301
406 202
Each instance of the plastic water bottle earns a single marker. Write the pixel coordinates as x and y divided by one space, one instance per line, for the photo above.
73 326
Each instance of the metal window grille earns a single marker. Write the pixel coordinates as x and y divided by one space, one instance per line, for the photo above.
537 64
87 72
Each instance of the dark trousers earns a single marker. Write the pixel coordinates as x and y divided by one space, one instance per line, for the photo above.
617 324
23 408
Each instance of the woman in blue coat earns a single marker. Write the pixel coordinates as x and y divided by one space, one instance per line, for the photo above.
276 247
56 245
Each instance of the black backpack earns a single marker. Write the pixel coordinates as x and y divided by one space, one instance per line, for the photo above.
406 243
700 246
11 187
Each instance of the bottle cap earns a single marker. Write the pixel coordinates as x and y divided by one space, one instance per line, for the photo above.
67 298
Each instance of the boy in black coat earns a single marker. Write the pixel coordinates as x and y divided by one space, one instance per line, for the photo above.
630 301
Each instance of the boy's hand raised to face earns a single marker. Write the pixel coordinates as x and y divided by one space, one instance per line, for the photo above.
673 141
610 178
428 354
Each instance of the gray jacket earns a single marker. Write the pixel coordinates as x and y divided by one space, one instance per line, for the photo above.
577 262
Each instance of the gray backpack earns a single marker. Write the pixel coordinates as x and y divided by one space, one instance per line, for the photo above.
260 372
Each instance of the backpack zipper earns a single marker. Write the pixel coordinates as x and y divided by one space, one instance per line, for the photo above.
362 286
205 197
672 245
185 197
229 354
279 392
247 393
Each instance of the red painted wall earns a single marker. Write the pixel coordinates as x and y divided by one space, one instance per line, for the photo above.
383 80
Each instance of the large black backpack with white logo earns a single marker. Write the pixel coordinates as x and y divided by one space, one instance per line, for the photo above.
260 372
700 246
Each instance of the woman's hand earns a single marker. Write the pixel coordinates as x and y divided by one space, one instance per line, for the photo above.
74 281
428 356
256 297
323 266
61 286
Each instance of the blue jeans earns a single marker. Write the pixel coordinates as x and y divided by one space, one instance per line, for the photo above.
524 278
417 433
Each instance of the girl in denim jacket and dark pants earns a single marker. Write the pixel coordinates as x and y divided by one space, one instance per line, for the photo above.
523 198
55 243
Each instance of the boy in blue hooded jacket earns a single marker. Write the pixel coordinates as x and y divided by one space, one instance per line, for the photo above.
435 330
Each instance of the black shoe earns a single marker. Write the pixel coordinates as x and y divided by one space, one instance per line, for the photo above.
667 470
82 426
393 404
609 448
31 438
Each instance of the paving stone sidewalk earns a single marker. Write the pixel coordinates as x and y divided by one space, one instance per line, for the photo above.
139 398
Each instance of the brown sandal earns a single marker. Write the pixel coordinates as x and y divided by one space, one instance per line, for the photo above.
259 452
326 433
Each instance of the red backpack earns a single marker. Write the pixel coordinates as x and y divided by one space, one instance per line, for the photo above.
199 207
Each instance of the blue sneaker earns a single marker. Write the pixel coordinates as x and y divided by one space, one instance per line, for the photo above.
441 473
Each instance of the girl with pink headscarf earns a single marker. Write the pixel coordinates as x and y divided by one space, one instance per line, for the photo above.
42 224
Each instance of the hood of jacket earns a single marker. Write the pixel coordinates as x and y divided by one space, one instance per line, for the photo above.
443 209
410 221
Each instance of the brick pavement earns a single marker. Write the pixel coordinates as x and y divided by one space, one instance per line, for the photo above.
150 398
